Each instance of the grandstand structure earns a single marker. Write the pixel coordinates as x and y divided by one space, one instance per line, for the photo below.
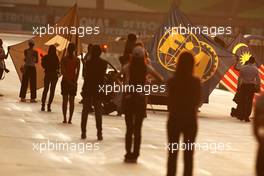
143 17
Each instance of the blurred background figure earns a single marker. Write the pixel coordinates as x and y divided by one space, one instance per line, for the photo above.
237 99
249 84
51 65
3 56
84 60
29 73
134 103
70 68
95 72
130 44
259 134
184 99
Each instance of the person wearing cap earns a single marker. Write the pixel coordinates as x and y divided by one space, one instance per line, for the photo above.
29 73
259 134
70 68
95 73
249 85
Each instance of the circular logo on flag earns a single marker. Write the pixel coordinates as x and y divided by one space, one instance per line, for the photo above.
172 44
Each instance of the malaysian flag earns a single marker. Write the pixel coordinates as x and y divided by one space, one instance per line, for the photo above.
240 47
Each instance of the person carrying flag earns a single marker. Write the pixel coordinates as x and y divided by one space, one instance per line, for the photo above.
249 85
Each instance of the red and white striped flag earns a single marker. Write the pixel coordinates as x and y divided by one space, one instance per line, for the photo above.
230 79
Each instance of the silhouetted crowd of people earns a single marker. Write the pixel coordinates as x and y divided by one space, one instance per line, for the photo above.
184 95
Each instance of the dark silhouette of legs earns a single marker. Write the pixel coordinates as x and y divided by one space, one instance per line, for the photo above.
33 83
137 135
248 104
260 161
87 103
52 91
85 112
245 106
129 134
189 139
98 117
45 91
71 107
65 107
24 84
173 139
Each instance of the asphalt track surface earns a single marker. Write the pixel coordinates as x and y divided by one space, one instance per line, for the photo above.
24 128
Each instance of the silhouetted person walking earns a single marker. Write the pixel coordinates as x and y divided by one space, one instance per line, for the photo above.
29 73
250 83
184 99
259 134
95 72
134 104
51 65
70 68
